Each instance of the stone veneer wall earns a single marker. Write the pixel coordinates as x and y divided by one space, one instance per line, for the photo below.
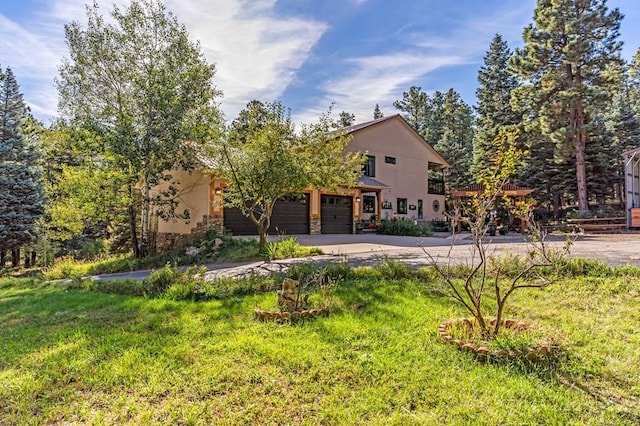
167 240
314 226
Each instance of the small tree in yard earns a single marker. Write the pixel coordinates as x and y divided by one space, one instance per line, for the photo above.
488 276
265 159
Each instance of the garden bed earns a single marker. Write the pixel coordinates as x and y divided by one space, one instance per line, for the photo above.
483 349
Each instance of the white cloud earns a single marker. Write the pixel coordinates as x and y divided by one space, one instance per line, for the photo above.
381 79
256 52
374 80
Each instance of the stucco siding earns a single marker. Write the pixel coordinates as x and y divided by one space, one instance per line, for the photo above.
407 178
193 195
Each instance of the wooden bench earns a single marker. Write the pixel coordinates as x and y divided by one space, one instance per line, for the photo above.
599 224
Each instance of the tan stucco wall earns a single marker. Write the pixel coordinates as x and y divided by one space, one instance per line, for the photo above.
408 177
194 195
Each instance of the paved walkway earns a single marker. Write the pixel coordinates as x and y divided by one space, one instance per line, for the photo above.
371 249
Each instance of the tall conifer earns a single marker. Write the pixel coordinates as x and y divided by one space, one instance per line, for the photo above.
494 109
568 60
21 194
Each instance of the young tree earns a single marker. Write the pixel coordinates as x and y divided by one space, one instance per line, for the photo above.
377 113
141 85
569 62
21 194
486 276
269 160
494 108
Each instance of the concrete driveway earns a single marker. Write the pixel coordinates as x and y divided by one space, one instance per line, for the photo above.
615 249
370 249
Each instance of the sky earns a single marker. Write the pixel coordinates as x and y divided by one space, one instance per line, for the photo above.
308 54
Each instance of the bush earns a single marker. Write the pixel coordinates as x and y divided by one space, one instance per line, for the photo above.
289 247
174 284
404 228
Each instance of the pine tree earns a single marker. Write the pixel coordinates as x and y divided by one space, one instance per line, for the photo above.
623 126
414 108
569 60
377 113
451 129
494 109
21 194
345 119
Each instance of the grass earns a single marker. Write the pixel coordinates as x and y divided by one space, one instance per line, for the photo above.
71 356
231 250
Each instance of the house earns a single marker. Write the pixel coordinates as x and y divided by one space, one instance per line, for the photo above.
402 179
632 186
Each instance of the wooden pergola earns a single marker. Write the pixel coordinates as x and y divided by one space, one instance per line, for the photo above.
513 192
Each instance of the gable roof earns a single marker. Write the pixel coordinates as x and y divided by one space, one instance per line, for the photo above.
358 127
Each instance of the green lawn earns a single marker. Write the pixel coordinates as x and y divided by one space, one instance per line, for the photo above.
69 356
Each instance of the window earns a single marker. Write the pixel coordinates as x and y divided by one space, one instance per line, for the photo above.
402 206
370 166
390 160
368 204
435 182
436 205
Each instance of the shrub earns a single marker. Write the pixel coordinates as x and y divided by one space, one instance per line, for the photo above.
404 228
160 282
289 247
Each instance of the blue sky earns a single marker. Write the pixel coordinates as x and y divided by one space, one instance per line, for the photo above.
306 53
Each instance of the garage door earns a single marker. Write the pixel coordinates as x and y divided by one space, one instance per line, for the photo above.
336 214
290 216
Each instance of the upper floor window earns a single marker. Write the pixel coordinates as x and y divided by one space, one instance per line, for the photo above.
390 160
435 181
369 168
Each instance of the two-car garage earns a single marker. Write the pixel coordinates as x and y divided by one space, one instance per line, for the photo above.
291 216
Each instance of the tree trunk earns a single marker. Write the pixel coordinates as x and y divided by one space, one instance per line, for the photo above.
27 260
15 257
581 175
144 220
3 258
263 237
132 228
33 257
579 143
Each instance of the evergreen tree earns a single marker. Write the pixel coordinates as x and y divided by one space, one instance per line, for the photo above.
377 113
21 194
633 83
494 109
414 108
569 60
622 124
345 119
451 133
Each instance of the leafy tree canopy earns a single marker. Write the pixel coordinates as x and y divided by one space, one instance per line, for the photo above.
139 83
